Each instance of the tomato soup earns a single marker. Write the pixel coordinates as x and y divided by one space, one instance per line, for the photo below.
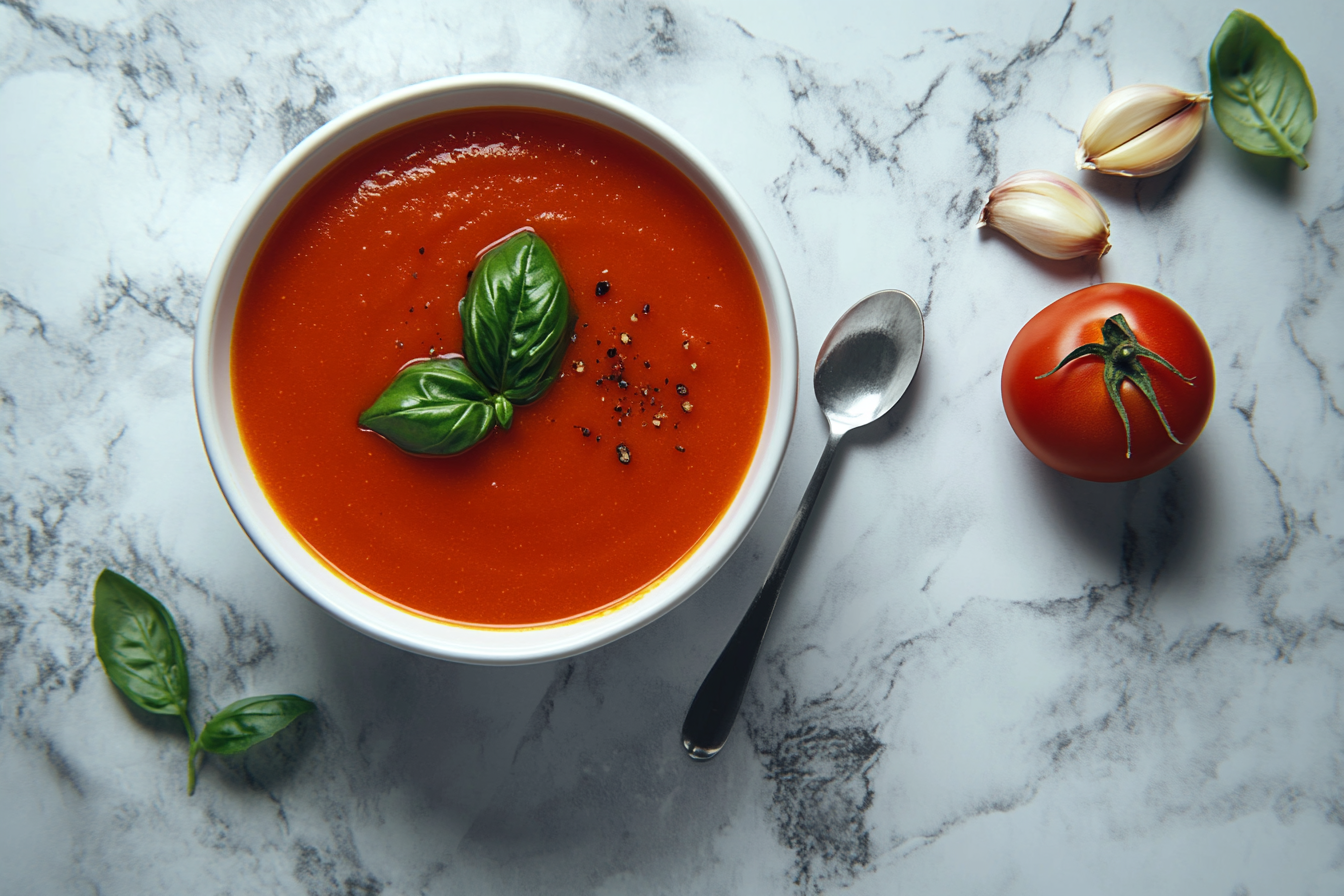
601 486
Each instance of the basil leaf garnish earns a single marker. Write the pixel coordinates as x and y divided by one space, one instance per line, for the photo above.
250 721
138 644
435 407
1261 96
516 318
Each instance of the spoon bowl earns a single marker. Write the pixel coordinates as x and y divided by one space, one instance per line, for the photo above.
865 365
869 359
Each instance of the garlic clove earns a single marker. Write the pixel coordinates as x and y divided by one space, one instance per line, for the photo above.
1048 214
1155 150
1130 115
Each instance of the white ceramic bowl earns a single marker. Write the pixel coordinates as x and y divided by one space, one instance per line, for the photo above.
337 595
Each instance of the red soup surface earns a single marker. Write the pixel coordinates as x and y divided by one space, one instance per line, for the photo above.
542 523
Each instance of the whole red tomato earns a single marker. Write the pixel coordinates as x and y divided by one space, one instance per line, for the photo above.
1068 418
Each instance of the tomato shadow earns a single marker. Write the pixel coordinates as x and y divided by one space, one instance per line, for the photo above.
1153 529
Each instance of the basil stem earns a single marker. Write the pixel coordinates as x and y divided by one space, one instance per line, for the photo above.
246 722
517 318
435 407
1262 99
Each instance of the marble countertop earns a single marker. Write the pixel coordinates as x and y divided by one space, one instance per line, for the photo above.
984 677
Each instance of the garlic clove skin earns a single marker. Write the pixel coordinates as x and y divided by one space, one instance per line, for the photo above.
1049 215
1155 150
1141 130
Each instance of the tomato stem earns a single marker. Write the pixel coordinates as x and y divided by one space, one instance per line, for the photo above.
1123 356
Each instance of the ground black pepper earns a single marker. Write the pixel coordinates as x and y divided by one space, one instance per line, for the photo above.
623 453
682 390
603 287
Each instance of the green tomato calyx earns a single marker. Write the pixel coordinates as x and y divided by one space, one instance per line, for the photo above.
1123 356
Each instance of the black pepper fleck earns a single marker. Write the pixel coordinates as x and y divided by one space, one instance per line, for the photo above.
623 453
681 449
646 307
422 250
682 390
611 352
587 432
603 287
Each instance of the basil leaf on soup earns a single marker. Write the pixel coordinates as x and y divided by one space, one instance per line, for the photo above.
433 407
1261 96
516 318
244 723
138 644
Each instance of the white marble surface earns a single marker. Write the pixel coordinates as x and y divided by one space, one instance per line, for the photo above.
985 677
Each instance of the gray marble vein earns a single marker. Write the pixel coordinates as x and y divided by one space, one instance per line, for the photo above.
984 677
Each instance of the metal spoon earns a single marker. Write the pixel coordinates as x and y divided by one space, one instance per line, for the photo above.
864 367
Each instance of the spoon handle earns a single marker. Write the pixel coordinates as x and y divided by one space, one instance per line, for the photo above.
715 706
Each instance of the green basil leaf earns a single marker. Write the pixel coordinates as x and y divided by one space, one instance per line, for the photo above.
138 644
433 407
517 318
244 723
503 412
1261 96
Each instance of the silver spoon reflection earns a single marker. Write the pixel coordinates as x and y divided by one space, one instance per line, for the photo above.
864 367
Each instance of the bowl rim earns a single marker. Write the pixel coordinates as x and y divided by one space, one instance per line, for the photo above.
297 563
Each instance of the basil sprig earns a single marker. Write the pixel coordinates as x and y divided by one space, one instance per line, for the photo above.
1262 99
516 324
137 641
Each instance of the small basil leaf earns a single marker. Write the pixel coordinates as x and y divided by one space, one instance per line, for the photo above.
433 407
250 721
516 318
503 411
1261 96
138 644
